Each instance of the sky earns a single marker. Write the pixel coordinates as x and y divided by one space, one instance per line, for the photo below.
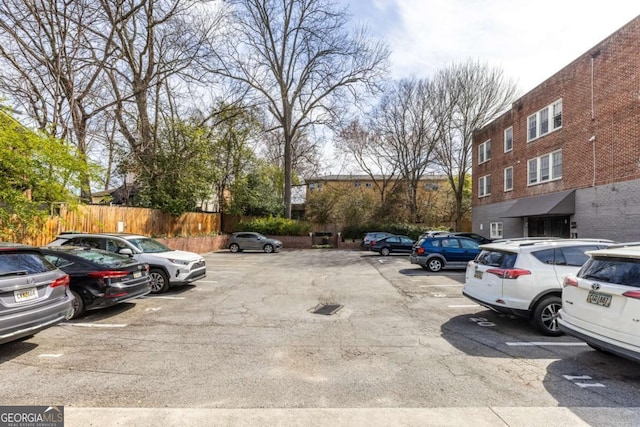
529 40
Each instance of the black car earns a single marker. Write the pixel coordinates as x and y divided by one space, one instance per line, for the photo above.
99 278
392 244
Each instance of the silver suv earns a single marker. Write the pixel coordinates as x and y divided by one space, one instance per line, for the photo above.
34 294
168 267
249 240
524 277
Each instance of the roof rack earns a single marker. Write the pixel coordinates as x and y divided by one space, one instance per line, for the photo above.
623 245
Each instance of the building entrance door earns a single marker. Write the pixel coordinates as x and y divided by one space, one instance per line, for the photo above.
551 226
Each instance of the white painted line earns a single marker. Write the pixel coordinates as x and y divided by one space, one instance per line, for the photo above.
585 385
96 325
543 344
577 377
50 355
464 306
160 297
441 286
438 295
153 309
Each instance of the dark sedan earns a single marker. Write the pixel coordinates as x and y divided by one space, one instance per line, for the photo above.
392 244
99 278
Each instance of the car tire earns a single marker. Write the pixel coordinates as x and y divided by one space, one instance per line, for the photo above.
545 315
234 248
268 248
385 251
159 281
434 265
77 305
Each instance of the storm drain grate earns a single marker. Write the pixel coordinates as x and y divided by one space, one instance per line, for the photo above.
327 309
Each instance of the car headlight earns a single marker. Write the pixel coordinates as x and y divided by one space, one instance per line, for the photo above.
178 261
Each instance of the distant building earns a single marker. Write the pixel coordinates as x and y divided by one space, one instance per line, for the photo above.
565 159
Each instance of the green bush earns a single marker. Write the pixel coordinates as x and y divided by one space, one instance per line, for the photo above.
275 226
411 230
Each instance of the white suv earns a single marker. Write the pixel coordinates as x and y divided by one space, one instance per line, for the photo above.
524 277
601 304
168 267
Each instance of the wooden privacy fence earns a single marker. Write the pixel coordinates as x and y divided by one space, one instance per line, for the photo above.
109 219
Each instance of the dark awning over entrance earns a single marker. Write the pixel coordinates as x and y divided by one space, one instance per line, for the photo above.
561 203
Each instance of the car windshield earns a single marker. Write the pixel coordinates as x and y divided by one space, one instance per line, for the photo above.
108 259
149 246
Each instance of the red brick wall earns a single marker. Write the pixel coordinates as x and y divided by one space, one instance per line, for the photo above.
615 123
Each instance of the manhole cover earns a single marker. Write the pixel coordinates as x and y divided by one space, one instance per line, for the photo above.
327 309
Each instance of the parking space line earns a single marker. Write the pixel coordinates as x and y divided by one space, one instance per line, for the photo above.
464 306
96 325
160 297
50 355
441 286
543 344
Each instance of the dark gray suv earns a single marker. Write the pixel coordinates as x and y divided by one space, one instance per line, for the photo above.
34 294
249 240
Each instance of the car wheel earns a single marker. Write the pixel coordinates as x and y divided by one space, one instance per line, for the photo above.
234 248
77 305
545 315
434 265
159 281
385 251
268 248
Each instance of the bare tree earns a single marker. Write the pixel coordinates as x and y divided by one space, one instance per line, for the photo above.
367 149
52 64
409 134
466 97
300 60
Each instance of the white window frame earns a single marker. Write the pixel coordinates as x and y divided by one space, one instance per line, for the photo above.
506 180
484 152
553 170
549 117
484 186
496 230
508 137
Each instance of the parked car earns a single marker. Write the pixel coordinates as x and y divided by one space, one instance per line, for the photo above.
434 233
168 267
34 294
524 277
249 240
477 237
436 253
392 244
372 235
601 303
99 278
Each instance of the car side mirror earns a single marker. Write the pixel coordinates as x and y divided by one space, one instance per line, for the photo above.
126 251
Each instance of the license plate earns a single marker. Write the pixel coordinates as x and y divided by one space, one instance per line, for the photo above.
137 274
477 274
599 299
25 294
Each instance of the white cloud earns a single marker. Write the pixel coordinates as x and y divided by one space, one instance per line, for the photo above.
529 40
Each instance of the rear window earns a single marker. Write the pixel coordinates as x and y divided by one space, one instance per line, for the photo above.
622 271
572 256
105 258
19 263
497 258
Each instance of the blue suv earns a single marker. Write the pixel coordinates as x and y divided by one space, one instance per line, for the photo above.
434 253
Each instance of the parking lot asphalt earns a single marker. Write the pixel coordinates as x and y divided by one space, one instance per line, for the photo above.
244 347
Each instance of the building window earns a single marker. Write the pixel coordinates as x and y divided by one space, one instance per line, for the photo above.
545 168
508 179
312 186
367 184
484 152
356 184
508 140
431 186
484 186
538 123
495 230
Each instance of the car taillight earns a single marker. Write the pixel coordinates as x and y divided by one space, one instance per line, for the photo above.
108 274
372 243
569 281
509 273
62 281
420 251
632 294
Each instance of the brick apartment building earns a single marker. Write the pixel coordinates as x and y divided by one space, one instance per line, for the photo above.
564 161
